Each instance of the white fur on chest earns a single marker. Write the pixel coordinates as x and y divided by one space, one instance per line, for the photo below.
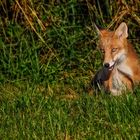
125 69
116 80
118 72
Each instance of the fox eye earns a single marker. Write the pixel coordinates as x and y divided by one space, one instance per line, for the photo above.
114 49
102 50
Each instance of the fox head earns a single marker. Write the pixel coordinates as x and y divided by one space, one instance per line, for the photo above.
113 45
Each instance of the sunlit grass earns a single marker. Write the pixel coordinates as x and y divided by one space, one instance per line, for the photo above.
31 113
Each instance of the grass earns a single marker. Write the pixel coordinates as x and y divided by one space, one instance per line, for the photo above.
48 58
30 114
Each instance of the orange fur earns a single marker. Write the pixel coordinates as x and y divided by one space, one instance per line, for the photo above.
120 58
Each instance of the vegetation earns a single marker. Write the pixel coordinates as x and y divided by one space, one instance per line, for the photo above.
48 56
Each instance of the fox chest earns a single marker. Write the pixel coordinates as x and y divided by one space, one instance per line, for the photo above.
121 77
116 81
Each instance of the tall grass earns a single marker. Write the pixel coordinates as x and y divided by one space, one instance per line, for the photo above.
48 56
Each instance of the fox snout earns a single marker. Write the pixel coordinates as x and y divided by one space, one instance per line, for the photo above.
109 65
106 65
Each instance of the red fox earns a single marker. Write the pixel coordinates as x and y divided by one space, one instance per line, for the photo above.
120 59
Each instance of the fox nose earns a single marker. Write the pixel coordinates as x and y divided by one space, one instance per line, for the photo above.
106 65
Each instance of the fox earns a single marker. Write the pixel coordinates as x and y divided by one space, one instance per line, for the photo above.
120 60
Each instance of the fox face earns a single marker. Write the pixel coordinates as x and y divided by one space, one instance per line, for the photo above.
113 46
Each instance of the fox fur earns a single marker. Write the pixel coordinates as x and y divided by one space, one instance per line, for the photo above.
121 60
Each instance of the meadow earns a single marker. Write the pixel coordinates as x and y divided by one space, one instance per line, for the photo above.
48 56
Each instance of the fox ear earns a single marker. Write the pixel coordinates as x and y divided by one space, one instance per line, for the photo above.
122 31
97 30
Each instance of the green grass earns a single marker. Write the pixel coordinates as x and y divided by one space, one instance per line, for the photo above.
44 73
32 114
